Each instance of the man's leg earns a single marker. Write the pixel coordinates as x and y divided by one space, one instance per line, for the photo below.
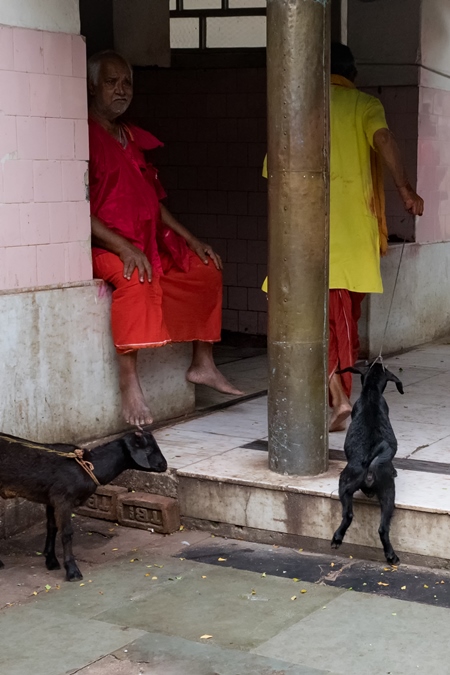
341 355
341 406
137 323
192 308
134 407
203 370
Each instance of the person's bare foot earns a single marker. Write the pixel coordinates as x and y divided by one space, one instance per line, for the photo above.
339 417
212 377
134 407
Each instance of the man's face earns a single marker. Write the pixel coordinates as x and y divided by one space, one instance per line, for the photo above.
114 91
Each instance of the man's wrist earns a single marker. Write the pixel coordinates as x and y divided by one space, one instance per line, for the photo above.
405 188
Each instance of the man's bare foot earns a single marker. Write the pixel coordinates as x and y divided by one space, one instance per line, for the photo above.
212 377
134 407
339 417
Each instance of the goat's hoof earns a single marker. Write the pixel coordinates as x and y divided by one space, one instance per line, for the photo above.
335 543
1 565
74 575
393 559
52 564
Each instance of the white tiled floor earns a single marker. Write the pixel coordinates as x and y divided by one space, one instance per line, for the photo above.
421 418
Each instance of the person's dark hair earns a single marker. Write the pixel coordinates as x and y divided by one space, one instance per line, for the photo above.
342 61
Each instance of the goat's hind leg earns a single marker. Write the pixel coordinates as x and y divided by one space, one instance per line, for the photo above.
386 495
347 487
51 561
64 523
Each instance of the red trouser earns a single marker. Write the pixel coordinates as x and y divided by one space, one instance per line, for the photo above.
175 307
344 311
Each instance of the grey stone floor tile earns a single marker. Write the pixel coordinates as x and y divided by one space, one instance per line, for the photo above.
162 655
239 609
358 634
116 586
34 642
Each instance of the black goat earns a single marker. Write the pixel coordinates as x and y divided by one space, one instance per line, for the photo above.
41 473
370 446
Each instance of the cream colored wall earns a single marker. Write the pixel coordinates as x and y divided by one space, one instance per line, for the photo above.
435 47
384 31
52 15
141 31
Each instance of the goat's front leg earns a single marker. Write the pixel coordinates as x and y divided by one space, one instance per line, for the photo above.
386 495
51 561
64 523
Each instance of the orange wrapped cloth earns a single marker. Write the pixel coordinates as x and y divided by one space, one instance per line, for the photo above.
344 311
175 307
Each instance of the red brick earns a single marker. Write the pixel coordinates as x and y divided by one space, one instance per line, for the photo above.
149 512
103 503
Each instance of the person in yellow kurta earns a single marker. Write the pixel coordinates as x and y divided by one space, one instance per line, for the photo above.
360 143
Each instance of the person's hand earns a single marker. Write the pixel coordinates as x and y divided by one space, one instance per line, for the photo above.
204 252
133 257
411 200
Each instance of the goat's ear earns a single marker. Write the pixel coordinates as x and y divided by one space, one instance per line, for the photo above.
140 456
393 378
356 371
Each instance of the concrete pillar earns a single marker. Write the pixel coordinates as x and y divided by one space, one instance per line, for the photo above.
298 87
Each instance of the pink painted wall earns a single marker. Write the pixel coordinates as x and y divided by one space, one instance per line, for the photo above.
44 213
434 165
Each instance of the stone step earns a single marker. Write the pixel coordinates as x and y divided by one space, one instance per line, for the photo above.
235 494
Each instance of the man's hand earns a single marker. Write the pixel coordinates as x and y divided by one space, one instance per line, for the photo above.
133 257
204 252
411 200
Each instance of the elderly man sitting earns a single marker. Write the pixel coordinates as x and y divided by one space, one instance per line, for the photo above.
167 283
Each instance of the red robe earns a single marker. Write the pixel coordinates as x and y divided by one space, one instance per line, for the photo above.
184 300
344 312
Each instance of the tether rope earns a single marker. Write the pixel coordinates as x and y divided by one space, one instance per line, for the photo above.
77 454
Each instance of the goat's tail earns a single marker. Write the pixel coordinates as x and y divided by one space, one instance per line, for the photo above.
383 453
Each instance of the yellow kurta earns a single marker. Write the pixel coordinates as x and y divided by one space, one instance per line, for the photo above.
354 226
354 233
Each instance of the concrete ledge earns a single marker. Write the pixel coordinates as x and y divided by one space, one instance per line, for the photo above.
247 495
308 544
58 372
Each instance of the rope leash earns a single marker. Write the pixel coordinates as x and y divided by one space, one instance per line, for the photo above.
77 454
379 358
87 466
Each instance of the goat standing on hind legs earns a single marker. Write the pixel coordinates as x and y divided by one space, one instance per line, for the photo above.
370 446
